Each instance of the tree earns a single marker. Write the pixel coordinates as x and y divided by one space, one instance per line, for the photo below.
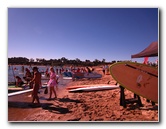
87 61
103 61
18 60
63 60
78 60
31 60
37 59
96 62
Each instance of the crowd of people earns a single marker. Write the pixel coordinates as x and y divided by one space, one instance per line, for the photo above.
33 79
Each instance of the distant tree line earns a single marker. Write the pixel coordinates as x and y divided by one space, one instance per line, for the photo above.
55 62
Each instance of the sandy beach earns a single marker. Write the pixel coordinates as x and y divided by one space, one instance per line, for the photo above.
103 106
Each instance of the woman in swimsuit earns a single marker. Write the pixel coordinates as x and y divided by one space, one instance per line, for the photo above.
52 83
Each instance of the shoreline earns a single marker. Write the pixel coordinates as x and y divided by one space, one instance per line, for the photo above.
96 106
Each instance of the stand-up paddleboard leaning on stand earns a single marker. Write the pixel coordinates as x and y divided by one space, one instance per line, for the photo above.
139 78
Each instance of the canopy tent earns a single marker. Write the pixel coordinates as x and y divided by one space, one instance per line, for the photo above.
150 51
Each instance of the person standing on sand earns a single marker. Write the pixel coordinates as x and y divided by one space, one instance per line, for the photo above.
52 83
36 85
104 69
22 69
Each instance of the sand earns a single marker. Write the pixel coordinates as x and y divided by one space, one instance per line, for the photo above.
103 106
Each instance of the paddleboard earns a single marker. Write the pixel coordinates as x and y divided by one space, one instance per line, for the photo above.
14 88
67 77
92 75
91 87
19 92
23 90
83 86
138 78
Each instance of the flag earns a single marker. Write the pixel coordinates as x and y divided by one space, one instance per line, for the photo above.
145 60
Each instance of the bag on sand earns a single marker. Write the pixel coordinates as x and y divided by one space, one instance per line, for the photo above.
46 91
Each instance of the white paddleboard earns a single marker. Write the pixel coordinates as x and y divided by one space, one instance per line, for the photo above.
95 88
25 90
19 92
67 77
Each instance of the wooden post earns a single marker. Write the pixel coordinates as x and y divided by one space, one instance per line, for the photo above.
135 95
139 101
153 103
122 97
124 101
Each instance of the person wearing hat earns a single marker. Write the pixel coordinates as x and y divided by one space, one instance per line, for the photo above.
36 85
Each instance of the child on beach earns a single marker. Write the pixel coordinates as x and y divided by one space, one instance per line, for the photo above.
52 83
28 75
36 85
19 81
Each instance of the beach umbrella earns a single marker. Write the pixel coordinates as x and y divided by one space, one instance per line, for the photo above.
150 51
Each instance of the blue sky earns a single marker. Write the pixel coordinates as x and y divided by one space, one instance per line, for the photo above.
84 33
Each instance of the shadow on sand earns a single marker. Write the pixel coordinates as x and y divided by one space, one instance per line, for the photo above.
69 100
57 109
15 104
136 106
